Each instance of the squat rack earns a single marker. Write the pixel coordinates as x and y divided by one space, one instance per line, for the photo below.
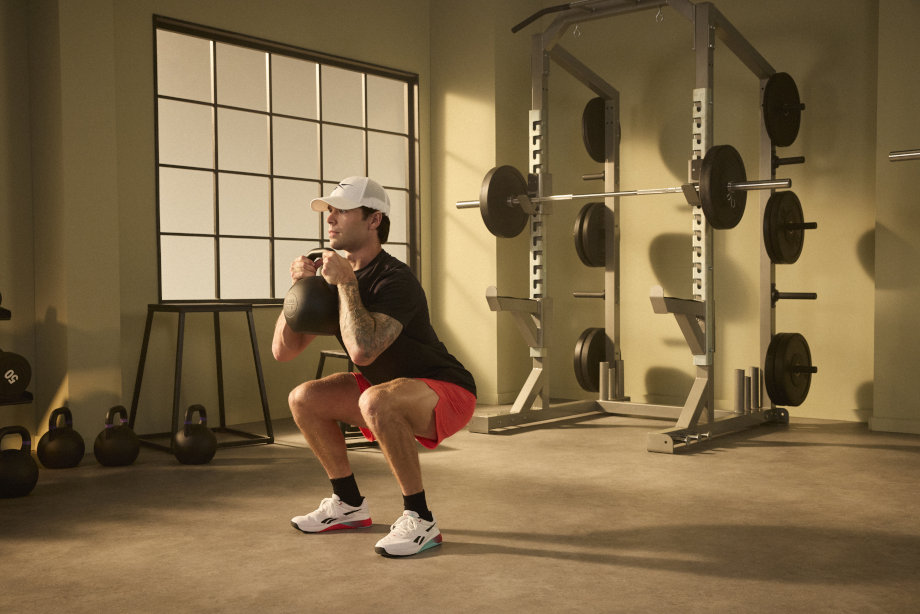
697 418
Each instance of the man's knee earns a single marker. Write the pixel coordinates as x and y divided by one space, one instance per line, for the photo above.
376 404
299 398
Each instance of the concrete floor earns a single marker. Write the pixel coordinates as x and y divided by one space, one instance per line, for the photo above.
811 517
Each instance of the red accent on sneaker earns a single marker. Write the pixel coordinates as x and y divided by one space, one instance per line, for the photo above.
360 524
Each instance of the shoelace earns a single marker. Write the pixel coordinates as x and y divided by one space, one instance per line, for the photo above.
404 525
327 505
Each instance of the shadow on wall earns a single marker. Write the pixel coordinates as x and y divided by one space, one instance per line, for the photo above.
667 385
865 401
865 250
669 257
899 249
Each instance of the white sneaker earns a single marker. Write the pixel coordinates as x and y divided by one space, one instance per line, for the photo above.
332 514
409 535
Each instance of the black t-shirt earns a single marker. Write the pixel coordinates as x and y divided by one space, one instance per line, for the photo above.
388 286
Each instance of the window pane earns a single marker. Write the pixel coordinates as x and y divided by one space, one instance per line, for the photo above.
388 159
244 268
293 215
185 133
294 87
242 77
244 205
387 104
296 148
242 141
398 216
184 66
343 96
186 201
187 268
285 253
343 152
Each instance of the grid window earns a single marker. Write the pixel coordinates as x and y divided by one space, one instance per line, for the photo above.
248 132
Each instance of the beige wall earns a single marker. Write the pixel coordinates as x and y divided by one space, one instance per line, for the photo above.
897 276
83 170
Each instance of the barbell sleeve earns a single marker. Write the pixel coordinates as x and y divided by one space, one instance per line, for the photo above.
906 154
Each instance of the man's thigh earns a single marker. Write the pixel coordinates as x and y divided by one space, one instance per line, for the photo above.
414 400
336 397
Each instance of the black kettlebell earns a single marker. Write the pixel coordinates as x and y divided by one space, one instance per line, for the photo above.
61 447
18 470
312 305
194 443
116 445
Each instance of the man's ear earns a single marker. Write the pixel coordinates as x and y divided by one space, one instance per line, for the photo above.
375 219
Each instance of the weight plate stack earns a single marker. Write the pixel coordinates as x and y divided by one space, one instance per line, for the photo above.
502 216
592 129
782 109
722 165
590 235
590 352
782 242
788 369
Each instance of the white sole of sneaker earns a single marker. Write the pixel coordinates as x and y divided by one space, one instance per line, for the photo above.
358 524
428 546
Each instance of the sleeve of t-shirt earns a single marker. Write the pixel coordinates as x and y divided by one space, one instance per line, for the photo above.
395 296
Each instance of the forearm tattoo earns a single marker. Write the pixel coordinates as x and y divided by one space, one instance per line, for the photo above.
364 333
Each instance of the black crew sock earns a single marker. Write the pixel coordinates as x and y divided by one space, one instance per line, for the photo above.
347 490
416 503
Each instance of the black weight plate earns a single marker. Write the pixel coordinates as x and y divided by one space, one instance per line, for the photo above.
502 216
723 208
783 244
785 384
592 129
15 375
590 352
771 370
782 109
590 235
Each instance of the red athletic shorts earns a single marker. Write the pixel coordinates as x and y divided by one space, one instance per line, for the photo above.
453 411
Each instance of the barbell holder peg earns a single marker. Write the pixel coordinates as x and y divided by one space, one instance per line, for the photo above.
778 161
776 296
905 154
593 176
745 186
578 294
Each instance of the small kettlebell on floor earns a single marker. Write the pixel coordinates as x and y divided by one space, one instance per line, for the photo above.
61 447
18 470
116 445
195 443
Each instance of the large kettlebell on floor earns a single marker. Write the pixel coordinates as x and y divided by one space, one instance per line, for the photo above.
18 470
116 445
312 305
195 443
61 447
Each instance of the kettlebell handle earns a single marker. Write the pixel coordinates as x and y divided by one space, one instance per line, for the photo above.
118 410
315 254
202 414
57 413
23 432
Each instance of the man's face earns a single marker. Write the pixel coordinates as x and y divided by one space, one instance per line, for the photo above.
348 230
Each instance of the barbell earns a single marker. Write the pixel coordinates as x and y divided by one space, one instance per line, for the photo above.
505 203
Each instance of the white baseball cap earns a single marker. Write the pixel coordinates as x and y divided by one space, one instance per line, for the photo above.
354 192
